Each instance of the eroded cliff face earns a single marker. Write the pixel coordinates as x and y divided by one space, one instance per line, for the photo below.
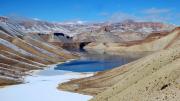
20 53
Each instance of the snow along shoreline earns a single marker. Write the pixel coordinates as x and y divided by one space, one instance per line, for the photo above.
42 86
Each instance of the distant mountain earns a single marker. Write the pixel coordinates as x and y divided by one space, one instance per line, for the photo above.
122 31
78 27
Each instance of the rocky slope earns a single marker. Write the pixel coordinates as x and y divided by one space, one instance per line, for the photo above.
153 42
122 31
151 78
20 53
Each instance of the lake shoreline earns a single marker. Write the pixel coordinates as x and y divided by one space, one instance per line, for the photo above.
37 82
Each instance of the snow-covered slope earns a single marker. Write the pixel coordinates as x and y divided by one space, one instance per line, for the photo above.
19 53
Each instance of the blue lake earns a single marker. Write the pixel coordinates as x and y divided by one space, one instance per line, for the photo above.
95 63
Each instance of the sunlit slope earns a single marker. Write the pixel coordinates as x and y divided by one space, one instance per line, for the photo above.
138 46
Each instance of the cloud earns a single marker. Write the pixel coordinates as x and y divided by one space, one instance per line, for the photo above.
121 16
157 14
156 11
81 22
37 19
156 18
75 21
151 14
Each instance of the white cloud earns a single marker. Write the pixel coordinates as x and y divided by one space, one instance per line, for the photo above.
153 14
156 18
120 16
157 14
37 19
80 22
75 22
156 11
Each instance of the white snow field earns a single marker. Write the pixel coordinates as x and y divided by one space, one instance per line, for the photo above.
42 86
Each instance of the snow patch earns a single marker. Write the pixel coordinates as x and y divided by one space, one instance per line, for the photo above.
14 47
43 88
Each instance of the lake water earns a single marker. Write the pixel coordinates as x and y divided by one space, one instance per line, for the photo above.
95 63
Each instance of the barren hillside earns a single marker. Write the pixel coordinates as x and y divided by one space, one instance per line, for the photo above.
154 77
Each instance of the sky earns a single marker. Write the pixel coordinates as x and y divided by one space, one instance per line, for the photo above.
93 10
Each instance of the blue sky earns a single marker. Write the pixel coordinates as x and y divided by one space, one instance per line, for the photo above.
93 10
